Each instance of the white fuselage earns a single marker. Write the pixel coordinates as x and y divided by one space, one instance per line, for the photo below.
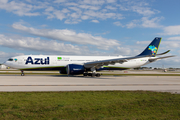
27 62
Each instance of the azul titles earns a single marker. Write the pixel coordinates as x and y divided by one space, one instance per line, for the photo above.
37 61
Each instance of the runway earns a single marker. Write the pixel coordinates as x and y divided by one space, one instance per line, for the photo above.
11 83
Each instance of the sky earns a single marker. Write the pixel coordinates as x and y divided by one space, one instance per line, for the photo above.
89 27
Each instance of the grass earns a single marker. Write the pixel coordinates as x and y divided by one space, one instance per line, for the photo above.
91 105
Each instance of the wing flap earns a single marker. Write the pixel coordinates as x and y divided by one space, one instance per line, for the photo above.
97 64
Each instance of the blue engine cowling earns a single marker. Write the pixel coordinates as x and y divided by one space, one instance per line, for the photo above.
75 69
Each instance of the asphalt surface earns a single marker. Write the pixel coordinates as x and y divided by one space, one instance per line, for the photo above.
28 83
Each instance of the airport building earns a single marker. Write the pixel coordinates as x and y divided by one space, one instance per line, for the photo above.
3 66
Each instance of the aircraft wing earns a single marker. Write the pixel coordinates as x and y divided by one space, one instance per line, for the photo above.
98 64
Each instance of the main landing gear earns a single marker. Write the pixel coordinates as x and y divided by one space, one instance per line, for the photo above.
92 74
22 73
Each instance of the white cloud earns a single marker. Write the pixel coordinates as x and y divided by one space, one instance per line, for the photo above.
8 55
83 10
95 2
118 24
75 12
72 21
89 7
174 38
3 1
59 14
143 42
84 17
172 44
69 36
76 9
59 1
139 7
111 1
111 7
151 23
5 56
29 1
36 44
171 30
146 22
122 51
103 15
95 21
19 8
71 4
133 24
43 47
49 8
143 10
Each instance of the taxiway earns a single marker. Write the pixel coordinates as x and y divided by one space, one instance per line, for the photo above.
14 83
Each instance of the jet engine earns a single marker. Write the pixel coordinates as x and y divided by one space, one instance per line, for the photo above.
75 69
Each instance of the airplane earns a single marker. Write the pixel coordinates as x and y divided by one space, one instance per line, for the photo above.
86 65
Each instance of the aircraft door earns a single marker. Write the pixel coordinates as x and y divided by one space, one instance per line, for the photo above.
20 61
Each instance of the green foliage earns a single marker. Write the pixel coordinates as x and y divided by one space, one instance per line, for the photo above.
96 105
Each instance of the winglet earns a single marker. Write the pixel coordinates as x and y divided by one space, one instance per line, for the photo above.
152 48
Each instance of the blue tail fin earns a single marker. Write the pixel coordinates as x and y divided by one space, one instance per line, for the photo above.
152 48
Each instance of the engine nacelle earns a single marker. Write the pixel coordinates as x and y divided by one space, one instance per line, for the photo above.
75 69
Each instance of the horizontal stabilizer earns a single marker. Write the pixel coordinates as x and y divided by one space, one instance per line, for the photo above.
154 59
163 53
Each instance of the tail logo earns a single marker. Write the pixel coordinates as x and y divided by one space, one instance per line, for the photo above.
153 49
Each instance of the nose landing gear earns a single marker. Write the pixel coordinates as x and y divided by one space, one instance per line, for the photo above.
22 73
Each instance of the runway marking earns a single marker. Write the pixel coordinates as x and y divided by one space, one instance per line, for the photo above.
101 85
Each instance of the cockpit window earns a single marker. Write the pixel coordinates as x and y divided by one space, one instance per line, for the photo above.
10 59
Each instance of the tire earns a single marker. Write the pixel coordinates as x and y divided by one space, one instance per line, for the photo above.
93 75
89 74
85 74
98 75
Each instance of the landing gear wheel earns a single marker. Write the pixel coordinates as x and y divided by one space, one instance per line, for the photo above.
89 74
93 75
85 74
98 75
